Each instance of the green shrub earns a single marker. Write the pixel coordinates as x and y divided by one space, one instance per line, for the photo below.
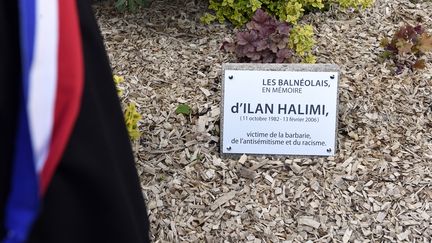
354 3
302 41
130 4
239 12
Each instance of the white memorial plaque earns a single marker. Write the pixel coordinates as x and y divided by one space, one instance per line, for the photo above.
279 109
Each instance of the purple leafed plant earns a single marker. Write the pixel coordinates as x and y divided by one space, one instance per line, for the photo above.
264 41
407 47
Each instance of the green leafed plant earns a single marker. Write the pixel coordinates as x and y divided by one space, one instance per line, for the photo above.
353 3
131 119
183 109
302 41
239 12
267 40
408 47
130 4
117 81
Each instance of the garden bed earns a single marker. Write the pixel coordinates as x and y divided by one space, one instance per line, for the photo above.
378 187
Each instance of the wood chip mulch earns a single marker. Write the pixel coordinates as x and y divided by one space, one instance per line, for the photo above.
378 188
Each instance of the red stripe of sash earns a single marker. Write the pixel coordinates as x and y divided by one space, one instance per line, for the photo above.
69 86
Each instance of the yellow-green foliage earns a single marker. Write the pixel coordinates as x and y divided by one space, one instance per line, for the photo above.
354 3
131 114
239 12
291 10
301 40
131 118
117 81
207 18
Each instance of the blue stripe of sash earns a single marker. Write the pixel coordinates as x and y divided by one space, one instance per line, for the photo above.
27 9
23 201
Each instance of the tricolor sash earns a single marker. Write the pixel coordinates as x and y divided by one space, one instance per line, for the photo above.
52 86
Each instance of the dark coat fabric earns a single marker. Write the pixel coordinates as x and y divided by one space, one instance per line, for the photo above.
94 195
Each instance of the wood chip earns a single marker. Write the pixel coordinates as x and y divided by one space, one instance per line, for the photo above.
347 235
404 235
223 199
242 159
309 221
247 173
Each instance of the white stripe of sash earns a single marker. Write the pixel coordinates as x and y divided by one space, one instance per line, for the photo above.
43 79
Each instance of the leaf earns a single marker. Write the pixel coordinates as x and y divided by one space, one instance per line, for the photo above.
310 59
404 46
183 109
406 32
255 4
207 18
386 54
118 79
120 4
242 51
267 56
261 45
131 119
261 17
263 23
283 43
228 46
419 29
276 38
132 5
301 39
254 56
392 48
273 47
279 60
284 29
246 37
266 30
268 59
284 53
384 42
425 43
419 64
263 30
